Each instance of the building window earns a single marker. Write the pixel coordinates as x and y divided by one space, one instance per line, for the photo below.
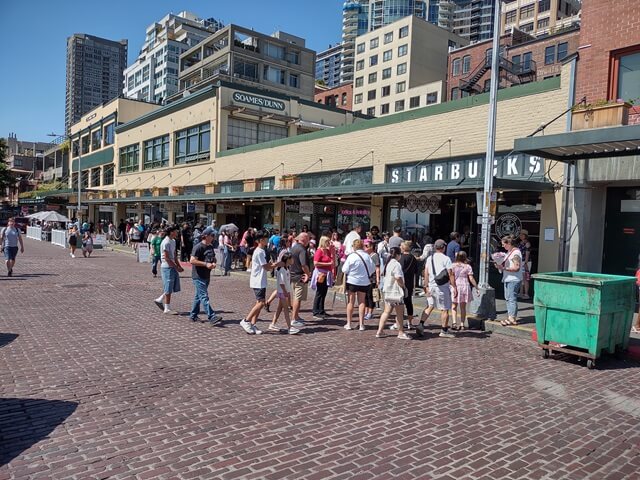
293 57
544 6
294 80
526 61
402 69
455 67
192 144
130 82
156 153
246 70
272 74
85 179
386 91
510 17
241 133
487 85
404 31
386 56
359 82
466 64
359 65
357 98
109 134
373 60
85 144
626 71
373 77
401 87
96 139
516 59
414 102
399 105
95 177
344 99
563 49
371 95
543 23
386 73
384 109
360 48
145 73
388 37
232 187
129 158
432 98
107 175
455 93
274 51
371 111
550 55
527 27
402 50
527 12
373 43
75 148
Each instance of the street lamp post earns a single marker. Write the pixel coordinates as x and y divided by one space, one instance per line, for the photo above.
77 153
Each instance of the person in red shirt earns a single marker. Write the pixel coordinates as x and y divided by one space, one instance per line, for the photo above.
322 277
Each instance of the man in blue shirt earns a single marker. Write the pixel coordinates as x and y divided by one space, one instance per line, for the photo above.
454 246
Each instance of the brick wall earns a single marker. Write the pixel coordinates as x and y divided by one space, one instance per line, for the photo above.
607 26
334 96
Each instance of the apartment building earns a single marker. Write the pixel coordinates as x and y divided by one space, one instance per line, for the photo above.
402 66
329 65
278 63
153 77
540 17
339 97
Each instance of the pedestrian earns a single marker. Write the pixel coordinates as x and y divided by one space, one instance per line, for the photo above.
229 251
122 229
300 276
186 243
73 241
511 269
258 282
371 298
464 278
454 246
525 249
203 260
87 244
394 293
283 281
375 233
357 269
409 265
635 328
439 285
134 236
383 249
322 277
170 269
245 242
155 249
351 237
10 237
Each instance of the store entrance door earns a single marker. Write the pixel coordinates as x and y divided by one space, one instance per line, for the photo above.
621 231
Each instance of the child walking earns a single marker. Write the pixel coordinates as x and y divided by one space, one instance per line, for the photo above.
463 274
283 278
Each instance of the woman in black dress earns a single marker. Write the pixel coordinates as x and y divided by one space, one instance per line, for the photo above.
409 265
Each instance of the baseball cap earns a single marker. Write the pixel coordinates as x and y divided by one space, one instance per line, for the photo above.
440 244
208 231
367 241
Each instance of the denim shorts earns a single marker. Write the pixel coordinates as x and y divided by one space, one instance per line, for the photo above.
260 293
10 253
170 280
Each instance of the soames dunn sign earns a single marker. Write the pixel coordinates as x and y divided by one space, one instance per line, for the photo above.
258 101
517 167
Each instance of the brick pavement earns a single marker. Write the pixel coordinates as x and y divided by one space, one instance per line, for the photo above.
98 384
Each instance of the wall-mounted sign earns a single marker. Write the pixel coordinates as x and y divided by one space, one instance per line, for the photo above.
258 101
306 208
91 117
518 166
106 208
229 209
423 203
508 224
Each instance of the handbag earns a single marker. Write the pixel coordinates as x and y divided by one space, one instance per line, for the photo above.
321 278
441 278
377 296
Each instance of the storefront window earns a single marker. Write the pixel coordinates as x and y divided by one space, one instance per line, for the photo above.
352 177
192 144
242 133
232 187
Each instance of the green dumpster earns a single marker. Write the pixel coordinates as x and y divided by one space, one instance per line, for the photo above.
583 313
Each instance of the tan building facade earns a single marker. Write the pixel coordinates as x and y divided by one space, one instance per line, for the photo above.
539 17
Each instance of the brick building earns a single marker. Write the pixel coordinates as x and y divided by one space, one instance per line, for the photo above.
340 96
525 59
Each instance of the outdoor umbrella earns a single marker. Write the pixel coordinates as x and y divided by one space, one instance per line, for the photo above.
49 216
229 228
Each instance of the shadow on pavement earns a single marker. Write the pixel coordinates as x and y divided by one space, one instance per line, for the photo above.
26 421
30 275
7 338
606 362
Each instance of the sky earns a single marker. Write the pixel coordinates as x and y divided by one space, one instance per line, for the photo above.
34 32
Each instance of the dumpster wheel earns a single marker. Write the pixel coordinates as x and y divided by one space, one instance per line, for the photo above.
545 353
591 364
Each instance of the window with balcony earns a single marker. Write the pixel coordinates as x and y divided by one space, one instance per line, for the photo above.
129 158
387 56
403 50
455 93
401 69
526 61
192 144
156 153
550 55
563 49
245 69
373 77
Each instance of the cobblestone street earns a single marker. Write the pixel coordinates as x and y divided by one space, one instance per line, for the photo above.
97 383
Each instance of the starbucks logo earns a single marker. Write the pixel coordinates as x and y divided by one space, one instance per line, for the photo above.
508 224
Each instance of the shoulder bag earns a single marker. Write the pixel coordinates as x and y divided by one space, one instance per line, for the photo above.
442 278
393 293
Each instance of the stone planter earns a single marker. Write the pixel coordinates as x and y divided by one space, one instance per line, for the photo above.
611 115
289 182
250 185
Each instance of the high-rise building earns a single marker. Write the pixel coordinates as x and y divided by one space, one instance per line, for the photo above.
473 19
540 17
328 66
153 77
362 16
94 74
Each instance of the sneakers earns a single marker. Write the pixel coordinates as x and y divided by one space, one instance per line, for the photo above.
404 336
317 317
348 327
394 326
10 273
215 319
159 304
293 331
73 256
247 327
297 323
274 328
446 334
420 329
194 319
170 312
367 316
256 330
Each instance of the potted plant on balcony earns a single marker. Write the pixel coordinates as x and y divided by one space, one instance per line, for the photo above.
602 113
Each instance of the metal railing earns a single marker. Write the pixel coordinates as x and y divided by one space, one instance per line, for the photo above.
34 233
59 238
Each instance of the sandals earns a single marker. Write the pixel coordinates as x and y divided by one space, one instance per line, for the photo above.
508 323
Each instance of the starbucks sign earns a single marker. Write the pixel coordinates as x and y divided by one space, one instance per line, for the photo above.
257 101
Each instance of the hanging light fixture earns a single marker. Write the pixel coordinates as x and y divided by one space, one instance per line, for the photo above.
501 196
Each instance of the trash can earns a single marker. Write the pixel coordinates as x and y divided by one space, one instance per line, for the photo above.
583 313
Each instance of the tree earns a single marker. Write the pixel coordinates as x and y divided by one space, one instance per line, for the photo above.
7 178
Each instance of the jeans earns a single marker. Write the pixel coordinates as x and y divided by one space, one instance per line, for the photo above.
154 264
511 290
228 259
318 300
201 296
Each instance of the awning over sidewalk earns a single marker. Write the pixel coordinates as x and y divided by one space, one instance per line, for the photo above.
583 144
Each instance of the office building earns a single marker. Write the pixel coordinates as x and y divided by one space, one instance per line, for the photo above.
278 63
153 77
540 17
329 65
402 66
94 74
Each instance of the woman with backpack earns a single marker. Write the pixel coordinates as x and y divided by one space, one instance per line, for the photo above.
394 294
357 269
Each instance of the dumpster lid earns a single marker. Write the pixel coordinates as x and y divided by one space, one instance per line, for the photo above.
585 278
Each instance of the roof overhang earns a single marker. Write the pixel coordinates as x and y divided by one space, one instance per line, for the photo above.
583 144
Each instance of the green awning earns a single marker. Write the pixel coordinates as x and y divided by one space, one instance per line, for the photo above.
103 157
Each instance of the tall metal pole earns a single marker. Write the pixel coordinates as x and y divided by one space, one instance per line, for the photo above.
491 145
79 180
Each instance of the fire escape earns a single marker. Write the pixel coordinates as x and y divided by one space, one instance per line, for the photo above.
513 73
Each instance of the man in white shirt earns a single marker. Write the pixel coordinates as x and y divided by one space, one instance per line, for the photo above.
439 296
351 237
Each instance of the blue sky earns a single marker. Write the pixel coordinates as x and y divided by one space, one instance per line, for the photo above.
34 32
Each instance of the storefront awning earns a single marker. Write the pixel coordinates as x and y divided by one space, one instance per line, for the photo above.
236 109
583 144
